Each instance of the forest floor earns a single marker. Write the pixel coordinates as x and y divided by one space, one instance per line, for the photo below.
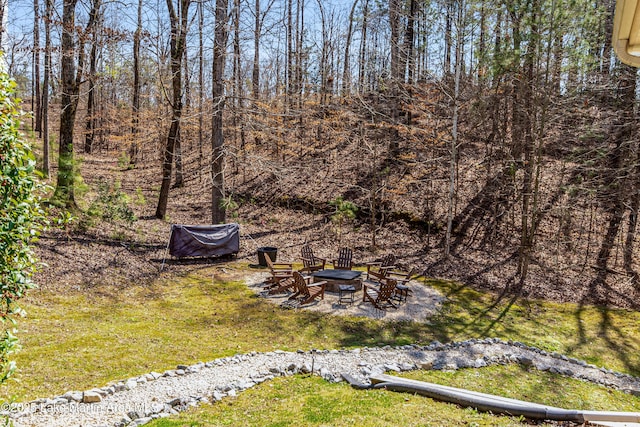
92 250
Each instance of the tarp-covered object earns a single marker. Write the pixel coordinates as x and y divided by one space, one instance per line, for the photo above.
204 240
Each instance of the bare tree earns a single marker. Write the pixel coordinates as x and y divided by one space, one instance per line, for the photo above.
200 87
408 46
90 126
346 74
255 75
447 36
37 95
289 79
259 16
363 47
179 23
324 55
3 22
135 120
218 211
453 160
45 87
71 79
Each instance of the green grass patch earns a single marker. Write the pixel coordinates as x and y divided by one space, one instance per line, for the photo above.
86 338
599 335
310 401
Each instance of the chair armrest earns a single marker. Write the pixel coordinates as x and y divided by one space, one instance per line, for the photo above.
288 264
371 285
303 259
398 273
377 275
372 264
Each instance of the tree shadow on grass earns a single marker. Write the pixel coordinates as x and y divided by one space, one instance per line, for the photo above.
616 340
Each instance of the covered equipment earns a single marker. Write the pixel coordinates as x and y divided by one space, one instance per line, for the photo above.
204 240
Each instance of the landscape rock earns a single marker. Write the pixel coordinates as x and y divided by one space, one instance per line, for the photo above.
223 378
91 397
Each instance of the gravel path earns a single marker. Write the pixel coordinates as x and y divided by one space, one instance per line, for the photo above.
138 400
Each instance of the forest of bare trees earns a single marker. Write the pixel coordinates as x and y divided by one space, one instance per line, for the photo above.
501 126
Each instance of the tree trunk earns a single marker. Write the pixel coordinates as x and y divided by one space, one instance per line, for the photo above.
299 54
64 193
90 127
37 94
200 88
46 156
453 160
255 75
135 120
218 211
447 37
346 74
179 181
482 46
409 42
632 225
3 22
528 112
396 70
90 120
179 177
363 47
289 79
323 56
237 73
179 25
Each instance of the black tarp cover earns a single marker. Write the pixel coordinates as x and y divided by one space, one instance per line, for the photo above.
204 240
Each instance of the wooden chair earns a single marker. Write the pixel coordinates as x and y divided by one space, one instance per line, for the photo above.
380 267
284 285
344 260
307 292
310 261
402 290
279 272
381 298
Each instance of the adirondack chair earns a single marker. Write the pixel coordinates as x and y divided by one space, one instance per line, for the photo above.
344 260
311 262
402 290
307 292
381 298
284 285
279 272
378 268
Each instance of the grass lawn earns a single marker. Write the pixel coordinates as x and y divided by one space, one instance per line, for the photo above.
87 338
310 401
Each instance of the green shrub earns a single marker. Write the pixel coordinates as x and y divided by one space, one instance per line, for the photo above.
140 199
124 161
345 211
111 204
21 220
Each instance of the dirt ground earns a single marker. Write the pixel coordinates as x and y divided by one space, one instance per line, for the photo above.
83 255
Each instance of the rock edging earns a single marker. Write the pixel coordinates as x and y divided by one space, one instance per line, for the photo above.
138 400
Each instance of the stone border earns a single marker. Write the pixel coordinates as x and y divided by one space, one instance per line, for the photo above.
329 364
